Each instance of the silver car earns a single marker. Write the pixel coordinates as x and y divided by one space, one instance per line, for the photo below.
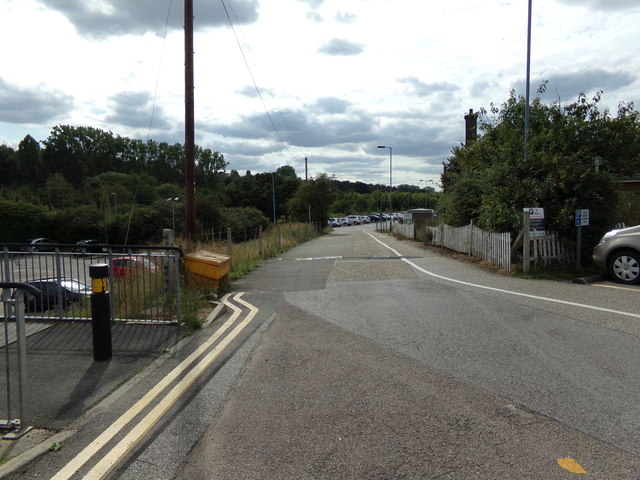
618 253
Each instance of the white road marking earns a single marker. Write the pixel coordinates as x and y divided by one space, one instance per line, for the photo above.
617 288
509 292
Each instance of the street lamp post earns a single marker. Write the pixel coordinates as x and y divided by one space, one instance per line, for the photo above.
173 202
390 174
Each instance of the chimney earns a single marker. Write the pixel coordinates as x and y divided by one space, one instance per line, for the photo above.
471 127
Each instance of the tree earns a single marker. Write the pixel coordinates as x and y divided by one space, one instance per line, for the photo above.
313 197
489 181
29 164
59 191
8 166
210 167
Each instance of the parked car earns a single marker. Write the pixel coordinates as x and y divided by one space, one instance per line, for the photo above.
344 221
52 290
618 253
40 244
132 265
87 246
333 222
354 219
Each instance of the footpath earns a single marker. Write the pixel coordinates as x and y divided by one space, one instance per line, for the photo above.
64 382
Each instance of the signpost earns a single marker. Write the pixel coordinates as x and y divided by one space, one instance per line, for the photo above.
536 221
533 227
582 220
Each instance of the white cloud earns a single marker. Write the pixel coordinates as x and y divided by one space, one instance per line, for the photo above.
335 80
338 46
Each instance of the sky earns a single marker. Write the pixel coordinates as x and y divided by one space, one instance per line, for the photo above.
329 80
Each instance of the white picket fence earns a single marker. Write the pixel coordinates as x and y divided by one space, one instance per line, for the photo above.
549 249
406 229
489 246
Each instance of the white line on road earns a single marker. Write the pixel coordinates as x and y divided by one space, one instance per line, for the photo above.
509 292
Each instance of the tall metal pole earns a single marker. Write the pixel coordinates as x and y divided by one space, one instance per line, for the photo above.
527 81
189 125
390 174
390 179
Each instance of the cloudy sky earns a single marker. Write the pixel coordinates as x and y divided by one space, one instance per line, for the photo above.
325 79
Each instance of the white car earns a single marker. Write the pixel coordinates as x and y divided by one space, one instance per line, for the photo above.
354 219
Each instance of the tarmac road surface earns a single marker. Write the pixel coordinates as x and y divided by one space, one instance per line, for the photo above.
357 355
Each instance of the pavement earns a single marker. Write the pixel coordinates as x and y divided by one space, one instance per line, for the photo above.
64 381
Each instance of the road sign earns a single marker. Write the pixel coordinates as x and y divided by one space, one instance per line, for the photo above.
582 217
536 219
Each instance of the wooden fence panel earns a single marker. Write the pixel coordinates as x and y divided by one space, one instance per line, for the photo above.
549 249
490 246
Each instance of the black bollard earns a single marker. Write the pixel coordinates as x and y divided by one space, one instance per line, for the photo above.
100 311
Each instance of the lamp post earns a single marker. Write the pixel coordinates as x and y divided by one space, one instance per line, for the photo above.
173 202
390 173
528 81
115 202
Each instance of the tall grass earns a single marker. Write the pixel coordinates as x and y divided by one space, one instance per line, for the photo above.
247 255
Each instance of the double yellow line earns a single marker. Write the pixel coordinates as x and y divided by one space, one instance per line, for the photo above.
109 461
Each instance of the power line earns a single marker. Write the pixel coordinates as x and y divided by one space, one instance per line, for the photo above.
275 129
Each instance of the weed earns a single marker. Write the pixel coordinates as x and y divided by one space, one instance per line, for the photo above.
55 447
193 301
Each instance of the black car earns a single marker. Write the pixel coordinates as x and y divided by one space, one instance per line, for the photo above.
88 246
52 292
40 244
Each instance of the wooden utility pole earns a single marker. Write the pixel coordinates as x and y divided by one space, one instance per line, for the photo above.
189 125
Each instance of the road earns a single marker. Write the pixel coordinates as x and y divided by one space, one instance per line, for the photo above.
357 355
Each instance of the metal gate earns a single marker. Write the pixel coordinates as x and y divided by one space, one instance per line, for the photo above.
144 281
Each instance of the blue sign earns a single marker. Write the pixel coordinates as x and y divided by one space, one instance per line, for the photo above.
582 217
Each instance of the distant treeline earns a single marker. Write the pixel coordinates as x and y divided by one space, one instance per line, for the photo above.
83 182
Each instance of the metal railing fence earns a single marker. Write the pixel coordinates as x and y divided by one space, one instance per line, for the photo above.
144 281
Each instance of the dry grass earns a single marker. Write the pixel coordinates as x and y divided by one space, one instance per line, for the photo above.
245 256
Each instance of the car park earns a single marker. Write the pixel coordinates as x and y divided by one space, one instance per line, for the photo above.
618 254
54 292
131 265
